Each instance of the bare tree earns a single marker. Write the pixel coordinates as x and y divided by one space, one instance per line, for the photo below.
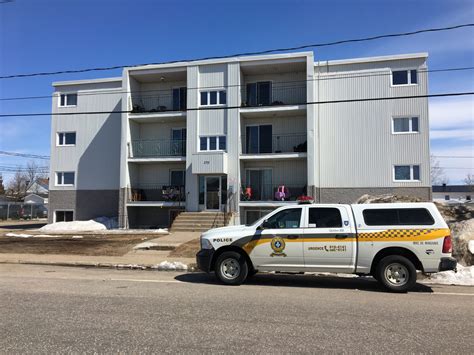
438 177
469 181
33 173
2 187
17 186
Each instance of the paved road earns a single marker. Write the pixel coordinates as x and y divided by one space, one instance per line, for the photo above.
53 309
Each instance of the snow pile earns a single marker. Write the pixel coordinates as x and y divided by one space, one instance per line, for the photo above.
98 224
170 266
22 235
463 277
470 246
463 241
145 245
387 198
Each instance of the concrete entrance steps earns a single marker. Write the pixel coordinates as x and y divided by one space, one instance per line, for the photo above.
197 221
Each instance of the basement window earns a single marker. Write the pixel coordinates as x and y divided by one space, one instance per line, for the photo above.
63 216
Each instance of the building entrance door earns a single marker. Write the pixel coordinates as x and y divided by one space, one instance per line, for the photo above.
213 193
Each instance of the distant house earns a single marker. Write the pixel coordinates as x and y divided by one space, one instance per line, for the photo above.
37 199
453 193
40 187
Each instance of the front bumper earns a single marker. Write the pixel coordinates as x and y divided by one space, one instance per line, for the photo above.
204 259
446 264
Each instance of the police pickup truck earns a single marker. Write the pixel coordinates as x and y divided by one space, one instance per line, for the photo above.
388 241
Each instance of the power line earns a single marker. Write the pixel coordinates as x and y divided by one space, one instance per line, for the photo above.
332 76
454 156
24 155
240 107
313 45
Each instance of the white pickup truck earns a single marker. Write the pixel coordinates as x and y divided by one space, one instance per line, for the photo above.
388 241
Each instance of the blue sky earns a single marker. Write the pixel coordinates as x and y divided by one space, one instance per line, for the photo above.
49 35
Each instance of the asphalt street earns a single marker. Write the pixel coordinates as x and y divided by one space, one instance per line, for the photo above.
69 310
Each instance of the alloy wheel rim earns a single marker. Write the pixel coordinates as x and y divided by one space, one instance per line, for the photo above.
230 269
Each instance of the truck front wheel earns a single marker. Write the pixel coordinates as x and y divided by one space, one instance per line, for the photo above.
231 268
396 273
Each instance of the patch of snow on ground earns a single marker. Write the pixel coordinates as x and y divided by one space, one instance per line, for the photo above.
471 246
145 245
170 266
463 277
77 237
18 235
98 224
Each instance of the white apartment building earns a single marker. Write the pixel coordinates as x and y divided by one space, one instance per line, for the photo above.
241 135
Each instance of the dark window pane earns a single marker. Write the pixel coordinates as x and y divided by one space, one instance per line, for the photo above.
416 172
265 139
60 138
224 190
68 178
415 216
71 99
177 178
264 93
402 172
468 197
252 94
289 218
63 100
201 190
212 143
380 217
203 143
204 98
251 143
446 197
414 79
325 217
70 138
222 142
401 124
222 97
414 124
399 77
213 98
175 99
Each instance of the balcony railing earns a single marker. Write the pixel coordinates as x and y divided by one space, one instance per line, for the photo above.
273 94
157 192
271 192
162 101
148 148
277 143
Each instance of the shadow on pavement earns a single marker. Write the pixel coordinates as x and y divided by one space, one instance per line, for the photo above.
22 226
308 281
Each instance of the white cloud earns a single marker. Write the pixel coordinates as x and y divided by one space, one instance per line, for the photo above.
452 113
460 134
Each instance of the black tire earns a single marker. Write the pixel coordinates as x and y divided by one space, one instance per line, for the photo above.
396 273
252 272
232 259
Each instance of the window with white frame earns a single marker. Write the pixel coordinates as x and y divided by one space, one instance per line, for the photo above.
404 77
65 178
405 125
66 100
213 98
66 138
210 143
406 172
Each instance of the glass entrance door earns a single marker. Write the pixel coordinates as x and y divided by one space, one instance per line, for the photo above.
213 192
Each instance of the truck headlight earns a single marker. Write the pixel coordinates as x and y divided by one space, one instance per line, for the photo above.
205 243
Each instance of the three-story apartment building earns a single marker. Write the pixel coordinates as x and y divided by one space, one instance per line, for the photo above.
242 135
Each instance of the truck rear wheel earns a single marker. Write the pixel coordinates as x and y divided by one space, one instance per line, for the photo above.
231 268
396 273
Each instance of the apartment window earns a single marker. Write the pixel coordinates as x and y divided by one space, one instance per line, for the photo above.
404 77
177 177
66 138
63 216
213 98
405 125
259 93
258 139
212 143
406 172
68 100
65 178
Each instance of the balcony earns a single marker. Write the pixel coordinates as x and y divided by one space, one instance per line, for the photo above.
259 192
256 143
271 93
157 148
156 194
159 101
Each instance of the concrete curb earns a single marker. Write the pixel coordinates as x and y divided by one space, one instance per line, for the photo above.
150 267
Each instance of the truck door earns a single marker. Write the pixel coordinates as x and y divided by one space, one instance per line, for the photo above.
329 239
279 242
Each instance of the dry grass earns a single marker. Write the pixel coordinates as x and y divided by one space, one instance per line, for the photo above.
186 250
